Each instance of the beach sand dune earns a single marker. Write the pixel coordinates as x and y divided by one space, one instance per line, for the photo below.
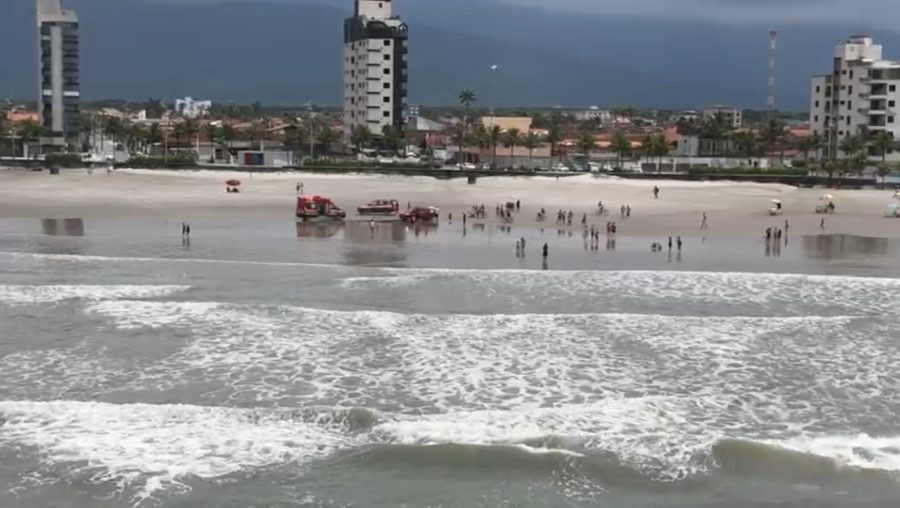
734 209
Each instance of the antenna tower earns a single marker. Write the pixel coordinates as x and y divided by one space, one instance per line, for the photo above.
770 99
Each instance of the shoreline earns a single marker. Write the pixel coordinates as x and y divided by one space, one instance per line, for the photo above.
734 209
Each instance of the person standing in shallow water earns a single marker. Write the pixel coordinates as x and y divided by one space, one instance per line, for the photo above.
546 251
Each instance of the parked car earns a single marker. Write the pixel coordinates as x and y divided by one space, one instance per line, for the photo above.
420 213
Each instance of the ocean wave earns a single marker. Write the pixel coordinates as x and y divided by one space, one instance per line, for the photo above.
144 259
159 446
31 294
681 292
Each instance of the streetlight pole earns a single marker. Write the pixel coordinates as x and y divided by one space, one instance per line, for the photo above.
312 145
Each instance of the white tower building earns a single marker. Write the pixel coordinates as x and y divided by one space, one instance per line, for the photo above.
858 98
59 86
375 68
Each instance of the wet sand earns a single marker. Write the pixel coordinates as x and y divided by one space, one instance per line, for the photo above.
734 209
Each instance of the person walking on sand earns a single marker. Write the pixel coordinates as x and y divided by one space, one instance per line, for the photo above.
822 223
703 223
628 211
786 226
655 192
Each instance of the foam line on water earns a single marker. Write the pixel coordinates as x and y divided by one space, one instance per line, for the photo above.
138 259
861 450
159 445
29 294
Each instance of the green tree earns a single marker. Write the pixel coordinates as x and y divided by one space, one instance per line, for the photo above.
531 141
391 138
155 134
586 143
494 135
191 129
774 134
853 149
511 140
326 137
554 135
227 134
745 141
29 130
809 144
620 146
883 142
360 137
467 97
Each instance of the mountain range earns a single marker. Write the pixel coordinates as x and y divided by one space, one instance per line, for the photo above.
281 52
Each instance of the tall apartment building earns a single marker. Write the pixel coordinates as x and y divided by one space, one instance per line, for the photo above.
58 72
858 98
375 68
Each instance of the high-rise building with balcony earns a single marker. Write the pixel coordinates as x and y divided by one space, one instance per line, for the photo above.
59 86
858 97
375 67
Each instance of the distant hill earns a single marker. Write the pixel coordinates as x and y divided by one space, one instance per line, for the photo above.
277 52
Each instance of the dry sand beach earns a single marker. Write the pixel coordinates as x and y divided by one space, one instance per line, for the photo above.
734 209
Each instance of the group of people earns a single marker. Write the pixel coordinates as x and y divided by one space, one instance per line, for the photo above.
185 230
564 218
478 212
774 233
625 210
658 247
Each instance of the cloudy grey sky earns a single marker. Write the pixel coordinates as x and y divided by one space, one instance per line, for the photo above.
882 13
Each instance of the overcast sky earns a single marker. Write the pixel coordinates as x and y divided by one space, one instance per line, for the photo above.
882 13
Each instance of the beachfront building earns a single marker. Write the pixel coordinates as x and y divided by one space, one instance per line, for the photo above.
375 68
857 98
59 85
732 117
189 108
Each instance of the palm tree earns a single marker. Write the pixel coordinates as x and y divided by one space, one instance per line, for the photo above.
531 141
809 144
659 147
227 134
586 144
360 137
326 136
854 148
467 98
511 140
213 135
745 141
883 142
554 135
494 134
774 133
191 129
392 137
459 136
620 145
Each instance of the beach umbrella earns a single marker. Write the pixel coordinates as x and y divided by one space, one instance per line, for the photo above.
829 197
776 201
233 183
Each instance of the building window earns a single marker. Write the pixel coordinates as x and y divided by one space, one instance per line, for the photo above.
386 100
352 59
387 86
850 90
890 119
851 74
842 102
386 114
891 103
816 118
893 88
817 103
844 72
387 42
387 71
849 104
840 133
848 120
818 88
387 56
